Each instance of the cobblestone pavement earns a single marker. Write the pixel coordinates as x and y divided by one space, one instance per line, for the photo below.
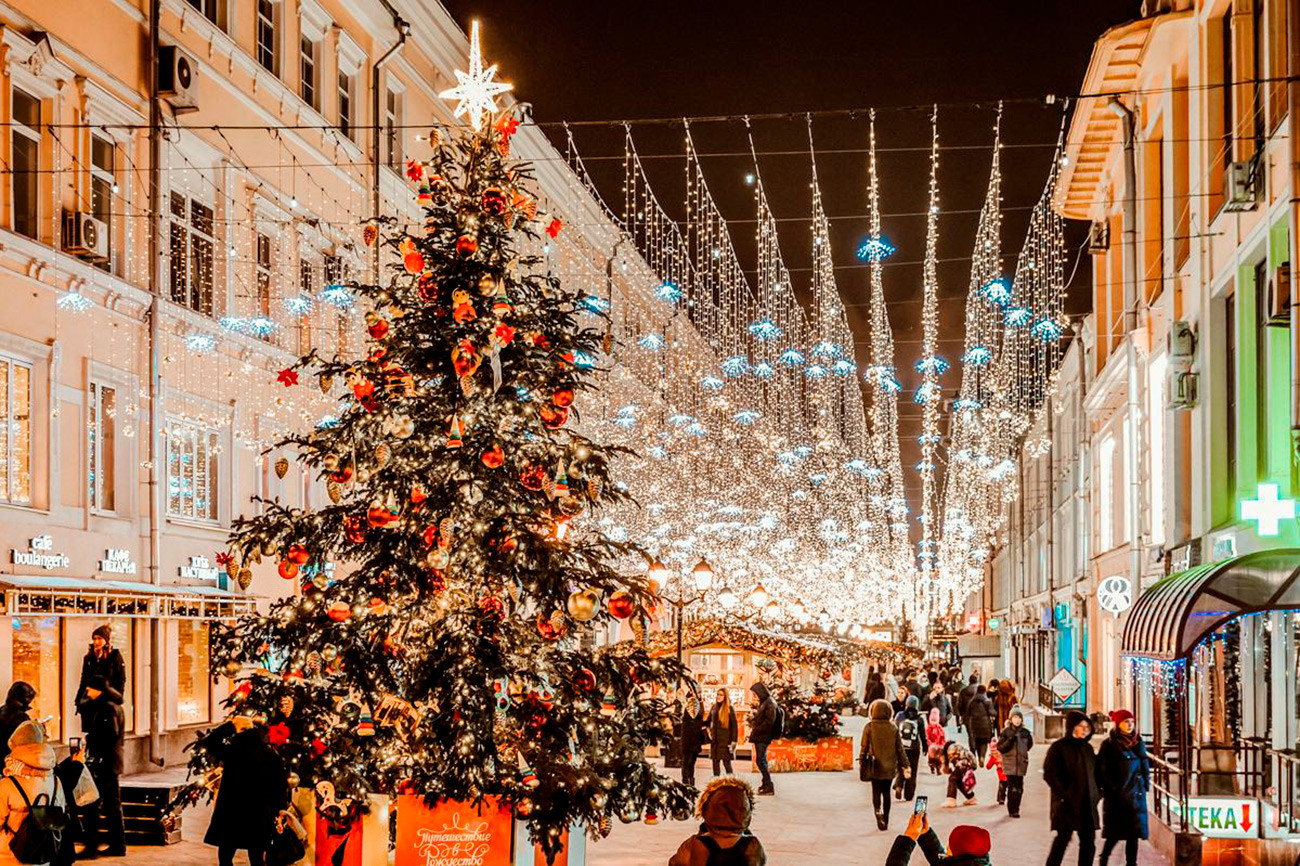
816 819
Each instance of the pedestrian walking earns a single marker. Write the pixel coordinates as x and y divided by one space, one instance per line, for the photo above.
104 724
722 733
29 775
765 725
251 794
961 775
911 730
875 688
938 699
1014 743
981 721
963 701
695 733
1124 777
881 757
935 736
725 808
994 763
1004 701
15 711
899 703
968 845
1069 769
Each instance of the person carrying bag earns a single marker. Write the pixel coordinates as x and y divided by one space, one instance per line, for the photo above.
33 816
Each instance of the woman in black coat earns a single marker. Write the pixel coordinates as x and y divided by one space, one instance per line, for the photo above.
1124 777
722 733
695 734
252 792
1069 768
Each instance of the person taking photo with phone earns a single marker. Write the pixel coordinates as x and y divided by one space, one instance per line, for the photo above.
968 845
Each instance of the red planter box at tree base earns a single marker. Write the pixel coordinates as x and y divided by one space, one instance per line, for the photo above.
799 756
461 834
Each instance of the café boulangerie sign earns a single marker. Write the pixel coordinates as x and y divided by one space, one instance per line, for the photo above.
40 553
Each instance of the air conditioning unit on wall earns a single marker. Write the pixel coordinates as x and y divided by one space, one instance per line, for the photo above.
1182 390
1098 237
85 236
1240 190
178 78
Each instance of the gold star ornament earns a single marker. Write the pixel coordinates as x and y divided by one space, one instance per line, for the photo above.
476 92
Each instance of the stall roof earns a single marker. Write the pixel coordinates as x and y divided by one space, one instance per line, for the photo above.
1177 613
56 581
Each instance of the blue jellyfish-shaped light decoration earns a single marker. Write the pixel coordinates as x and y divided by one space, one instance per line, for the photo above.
997 291
875 248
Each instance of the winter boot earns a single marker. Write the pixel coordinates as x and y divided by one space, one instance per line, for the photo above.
950 803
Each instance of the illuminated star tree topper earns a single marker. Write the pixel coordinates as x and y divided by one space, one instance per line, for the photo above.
476 92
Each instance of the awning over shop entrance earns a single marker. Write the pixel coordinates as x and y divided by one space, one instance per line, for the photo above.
1176 614
80 596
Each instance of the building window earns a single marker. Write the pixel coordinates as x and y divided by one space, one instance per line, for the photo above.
345 103
102 446
37 662
25 161
307 288
76 641
191 253
308 73
193 456
268 35
15 432
1106 509
393 129
209 9
262 267
103 186
193 698
1228 79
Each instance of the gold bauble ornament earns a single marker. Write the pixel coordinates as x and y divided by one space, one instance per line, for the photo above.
281 467
583 605
231 669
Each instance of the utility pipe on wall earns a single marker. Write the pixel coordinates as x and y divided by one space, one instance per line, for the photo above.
403 28
155 385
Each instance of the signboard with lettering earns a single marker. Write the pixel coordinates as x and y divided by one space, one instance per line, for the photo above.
40 554
117 561
460 834
1221 817
1064 684
199 568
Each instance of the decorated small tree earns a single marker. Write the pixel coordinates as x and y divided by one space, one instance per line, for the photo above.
432 641
810 715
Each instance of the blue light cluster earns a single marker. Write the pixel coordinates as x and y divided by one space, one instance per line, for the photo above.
1017 317
967 403
712 383
927 393
997 292
875 248
815 371
1047 330
844 367
792 357
680 419
299 305
339 297
765 329
977 356
74 301
653 342
254 326
735 366
583 360
826 349
595 304
857 465
763 370
746 417
932 362
668 291
201 343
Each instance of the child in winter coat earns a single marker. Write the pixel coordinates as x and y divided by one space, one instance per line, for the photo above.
961 776
995 761
935 738
725 807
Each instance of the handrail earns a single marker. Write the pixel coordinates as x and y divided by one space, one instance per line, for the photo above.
1163 775
1282 790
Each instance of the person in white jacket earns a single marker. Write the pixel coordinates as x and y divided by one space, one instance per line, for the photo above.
30 764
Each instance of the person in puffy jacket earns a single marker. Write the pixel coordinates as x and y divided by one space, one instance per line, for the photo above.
1069 768
725 807
911 730
1014 744
29 766
981 721
694 734
935 737
882 744
252 791
722 733
762 726
961 775
1123 777
16 710
968 845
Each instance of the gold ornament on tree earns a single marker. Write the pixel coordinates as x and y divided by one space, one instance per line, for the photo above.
281 467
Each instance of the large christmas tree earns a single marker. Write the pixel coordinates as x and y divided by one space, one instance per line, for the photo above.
435 643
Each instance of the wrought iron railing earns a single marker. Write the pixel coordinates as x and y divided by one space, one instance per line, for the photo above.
1241 769
1282 790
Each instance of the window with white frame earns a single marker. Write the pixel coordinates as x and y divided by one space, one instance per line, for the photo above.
1123 474
1106 494
393 128
192 247
213 10
103 186
309 71
25 161
101 447
267 47
15 432
307 289
346 88
1157 372
193 461
262 277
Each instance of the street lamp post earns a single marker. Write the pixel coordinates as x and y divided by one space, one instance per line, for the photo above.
702 575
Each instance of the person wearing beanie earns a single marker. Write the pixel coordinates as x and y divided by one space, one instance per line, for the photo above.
968 845
1124 777
103 721
28 774
911 730
881 758
15 711
1069 768
935 738
1014 743
725 808
765 723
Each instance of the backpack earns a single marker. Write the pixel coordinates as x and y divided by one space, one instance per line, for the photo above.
778 724
736 855
909 733
39 838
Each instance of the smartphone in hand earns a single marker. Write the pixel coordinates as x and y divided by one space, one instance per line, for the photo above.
922 805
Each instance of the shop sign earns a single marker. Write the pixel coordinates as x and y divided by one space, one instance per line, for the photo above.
995 623
40 554
199 568
1221 818
453 833
1224 547
1115 594
117 561
1064 684
1061 614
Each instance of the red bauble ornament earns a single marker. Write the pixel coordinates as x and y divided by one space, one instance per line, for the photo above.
354 530
546 629
413 262
533 477
466 246
363 389
427 287
288 569
340 611
342 476
563 398
378 329
379 516
553 417
298 553
493 457
492 607
418 495
494 202
584 680
620 605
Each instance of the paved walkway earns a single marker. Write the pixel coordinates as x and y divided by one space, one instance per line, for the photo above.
816 819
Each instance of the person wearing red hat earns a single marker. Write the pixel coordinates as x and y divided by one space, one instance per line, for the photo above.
968 845
1124 777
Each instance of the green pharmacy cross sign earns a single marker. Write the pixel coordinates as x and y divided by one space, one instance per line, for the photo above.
1268 509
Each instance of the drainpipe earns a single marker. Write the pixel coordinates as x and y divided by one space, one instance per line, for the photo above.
1131 301
155 388
403 28
1293 105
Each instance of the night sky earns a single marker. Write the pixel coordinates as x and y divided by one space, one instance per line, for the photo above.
591 61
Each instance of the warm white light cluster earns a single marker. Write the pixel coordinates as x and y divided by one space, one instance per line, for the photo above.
929 395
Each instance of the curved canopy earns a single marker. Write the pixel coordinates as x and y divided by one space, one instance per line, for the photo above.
1176 614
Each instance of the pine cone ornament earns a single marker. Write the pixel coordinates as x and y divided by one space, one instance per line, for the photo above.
245 578
334 490
593 489
559 622
326 382
638 629
232 568
383 453
281 467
